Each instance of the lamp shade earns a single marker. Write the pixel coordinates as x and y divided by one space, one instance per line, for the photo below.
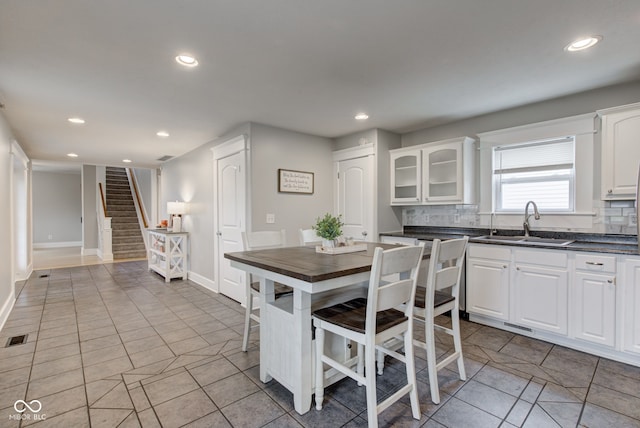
176 207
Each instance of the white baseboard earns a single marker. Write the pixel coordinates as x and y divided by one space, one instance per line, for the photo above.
24 275
89 251
103 257
203 281
6 308
41 245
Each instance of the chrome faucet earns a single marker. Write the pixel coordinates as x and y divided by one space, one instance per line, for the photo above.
536 215
491 220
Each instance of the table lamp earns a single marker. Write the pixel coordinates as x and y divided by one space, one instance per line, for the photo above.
175 211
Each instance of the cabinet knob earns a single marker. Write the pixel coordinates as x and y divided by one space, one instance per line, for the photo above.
610 281
219 233
610 191
517 268
504 266
364 233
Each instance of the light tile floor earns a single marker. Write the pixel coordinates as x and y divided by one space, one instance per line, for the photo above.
112 345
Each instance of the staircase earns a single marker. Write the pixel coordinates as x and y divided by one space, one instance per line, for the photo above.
127 240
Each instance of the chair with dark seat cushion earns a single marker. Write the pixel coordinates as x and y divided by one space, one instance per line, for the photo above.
370 322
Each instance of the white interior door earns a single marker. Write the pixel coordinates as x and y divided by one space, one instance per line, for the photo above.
230 222
355 197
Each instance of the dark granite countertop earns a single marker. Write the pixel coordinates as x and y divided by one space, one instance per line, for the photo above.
591 242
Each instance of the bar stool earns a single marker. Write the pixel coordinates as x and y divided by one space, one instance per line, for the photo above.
372 321
441 295
260 241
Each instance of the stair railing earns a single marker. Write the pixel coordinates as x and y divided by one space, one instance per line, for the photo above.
105 233
140 208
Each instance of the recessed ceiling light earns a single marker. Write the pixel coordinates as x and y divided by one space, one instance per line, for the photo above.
583 43
187 60
76 120
126 160
362 116
163 134
72 155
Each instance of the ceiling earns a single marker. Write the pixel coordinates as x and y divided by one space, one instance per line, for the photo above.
307 66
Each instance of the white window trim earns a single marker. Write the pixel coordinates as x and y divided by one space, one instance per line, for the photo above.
582 127
496 189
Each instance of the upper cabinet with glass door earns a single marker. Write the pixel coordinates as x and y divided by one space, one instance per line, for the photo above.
443 173
406 176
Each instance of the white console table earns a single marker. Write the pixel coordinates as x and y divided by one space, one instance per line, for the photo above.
168 253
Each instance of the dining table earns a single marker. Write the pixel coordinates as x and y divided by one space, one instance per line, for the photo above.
318 280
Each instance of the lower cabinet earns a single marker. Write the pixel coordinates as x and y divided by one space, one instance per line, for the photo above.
488 286
540 298
632 306
539 289
586 301
594 298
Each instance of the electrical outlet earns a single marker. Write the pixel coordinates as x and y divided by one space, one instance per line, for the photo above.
456 218
633 220
50 237
271 218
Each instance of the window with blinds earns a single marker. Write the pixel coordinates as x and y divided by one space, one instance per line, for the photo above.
542 171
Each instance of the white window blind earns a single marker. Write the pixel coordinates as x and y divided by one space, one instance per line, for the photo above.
540 171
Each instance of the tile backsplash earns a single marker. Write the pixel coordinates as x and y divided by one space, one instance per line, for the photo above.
617 217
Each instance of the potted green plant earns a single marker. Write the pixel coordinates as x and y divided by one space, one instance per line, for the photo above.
329 228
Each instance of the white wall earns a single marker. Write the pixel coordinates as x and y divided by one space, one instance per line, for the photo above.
7 295
57 208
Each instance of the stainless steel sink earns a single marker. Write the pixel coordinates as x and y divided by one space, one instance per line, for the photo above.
533 240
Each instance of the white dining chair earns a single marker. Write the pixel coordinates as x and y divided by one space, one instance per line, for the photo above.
441 295
309 237
437 293
259 241
370 322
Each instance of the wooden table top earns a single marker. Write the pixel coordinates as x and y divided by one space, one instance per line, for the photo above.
305 264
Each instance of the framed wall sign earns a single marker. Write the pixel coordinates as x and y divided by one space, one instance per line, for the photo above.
290 181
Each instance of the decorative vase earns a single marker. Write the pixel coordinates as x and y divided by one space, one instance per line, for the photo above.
329 243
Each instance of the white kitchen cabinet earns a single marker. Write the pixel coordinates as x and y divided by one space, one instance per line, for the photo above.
594 298
168 253
620 151
406 176
445 167
631 321
487 280
540 290
434 173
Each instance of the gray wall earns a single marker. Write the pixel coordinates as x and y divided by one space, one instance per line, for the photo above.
6 169
89 209
572 105
577 104
388 218
189 178
274 148
57 207
143 180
